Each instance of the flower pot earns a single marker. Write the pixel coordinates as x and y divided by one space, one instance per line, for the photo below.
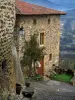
18 89
27 94
27 84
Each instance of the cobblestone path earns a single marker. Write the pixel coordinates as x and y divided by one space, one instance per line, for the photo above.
46 91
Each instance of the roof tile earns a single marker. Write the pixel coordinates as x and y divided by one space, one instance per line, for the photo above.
31 9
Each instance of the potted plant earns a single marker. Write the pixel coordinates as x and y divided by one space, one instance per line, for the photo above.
18 88
27 82
29 91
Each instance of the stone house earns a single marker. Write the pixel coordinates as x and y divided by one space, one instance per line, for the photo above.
31 18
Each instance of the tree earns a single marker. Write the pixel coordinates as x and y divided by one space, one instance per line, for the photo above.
67 63
32 53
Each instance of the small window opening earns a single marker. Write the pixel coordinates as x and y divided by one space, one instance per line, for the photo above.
54 19
41 38
50 57
49 21
34 22
4 64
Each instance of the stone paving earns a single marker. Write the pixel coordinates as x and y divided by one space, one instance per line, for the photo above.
53 90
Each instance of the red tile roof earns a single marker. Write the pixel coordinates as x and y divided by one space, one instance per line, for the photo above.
31 9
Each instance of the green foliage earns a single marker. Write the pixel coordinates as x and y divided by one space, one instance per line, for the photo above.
52 74
62 77
37 77
32 52
68 64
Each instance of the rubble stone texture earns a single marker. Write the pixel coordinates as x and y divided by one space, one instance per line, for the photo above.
7 22
50 26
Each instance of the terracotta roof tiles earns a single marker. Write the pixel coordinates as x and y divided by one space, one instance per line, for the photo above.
31 9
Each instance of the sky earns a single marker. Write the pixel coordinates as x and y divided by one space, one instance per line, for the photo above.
64 1
57 4
68 3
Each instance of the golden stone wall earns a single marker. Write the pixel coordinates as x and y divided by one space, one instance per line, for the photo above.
50 26
7 22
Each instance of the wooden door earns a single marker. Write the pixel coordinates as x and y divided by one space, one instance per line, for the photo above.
41 69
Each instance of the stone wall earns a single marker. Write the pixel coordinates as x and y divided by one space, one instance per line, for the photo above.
7 22
50 26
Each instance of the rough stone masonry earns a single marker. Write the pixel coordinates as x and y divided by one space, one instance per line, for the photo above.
7 22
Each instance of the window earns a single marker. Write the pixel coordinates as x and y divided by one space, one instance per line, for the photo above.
54 20
46 16
50 57
49 21
34 21
4 64
41 38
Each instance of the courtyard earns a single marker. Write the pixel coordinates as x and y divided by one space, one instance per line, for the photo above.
53 90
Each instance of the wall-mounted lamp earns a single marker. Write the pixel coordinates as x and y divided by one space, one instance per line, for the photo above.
21 31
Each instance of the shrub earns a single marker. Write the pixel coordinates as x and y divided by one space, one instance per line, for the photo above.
37 77
63 77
